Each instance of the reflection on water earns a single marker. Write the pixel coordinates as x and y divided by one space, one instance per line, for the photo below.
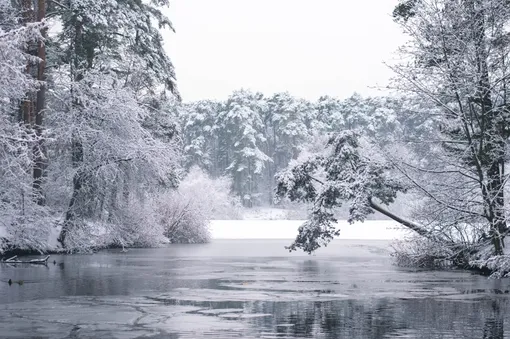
248 289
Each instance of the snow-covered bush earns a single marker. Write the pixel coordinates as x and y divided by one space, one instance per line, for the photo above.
183 220
420 252
185 213
33 232
213 195
498 265
134 225
138 226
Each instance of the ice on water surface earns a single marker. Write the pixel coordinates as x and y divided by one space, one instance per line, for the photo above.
245 288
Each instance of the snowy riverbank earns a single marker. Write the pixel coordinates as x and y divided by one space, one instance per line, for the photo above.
287 229
260 229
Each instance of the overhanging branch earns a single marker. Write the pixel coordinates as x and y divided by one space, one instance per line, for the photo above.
409 224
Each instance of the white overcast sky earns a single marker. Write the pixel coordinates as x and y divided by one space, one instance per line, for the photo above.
307 47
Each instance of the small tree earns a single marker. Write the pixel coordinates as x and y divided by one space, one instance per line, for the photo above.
351 172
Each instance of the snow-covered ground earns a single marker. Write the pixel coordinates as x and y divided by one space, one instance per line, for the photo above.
268 213
287 229
277 223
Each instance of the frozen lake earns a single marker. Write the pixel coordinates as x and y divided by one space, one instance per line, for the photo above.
247 288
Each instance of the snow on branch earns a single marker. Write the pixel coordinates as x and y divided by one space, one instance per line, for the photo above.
351 172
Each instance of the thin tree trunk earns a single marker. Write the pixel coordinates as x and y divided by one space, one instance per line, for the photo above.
76 146
71 209
411 225
28 104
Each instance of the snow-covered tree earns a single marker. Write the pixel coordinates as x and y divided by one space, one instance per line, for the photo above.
200 136
118 35
285 131
287 128
112 108
23 221
349 171
120 161
240 129
453 73
328 114
457 60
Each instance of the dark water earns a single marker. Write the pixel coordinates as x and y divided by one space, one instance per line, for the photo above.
248 289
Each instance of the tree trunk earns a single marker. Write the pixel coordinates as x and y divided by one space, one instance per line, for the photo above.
29 103
38 149
71 214
491 135
32 108
496 207
76 146
411 225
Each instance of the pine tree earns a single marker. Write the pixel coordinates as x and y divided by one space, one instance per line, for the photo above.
21 199
285 132
200 136
240 127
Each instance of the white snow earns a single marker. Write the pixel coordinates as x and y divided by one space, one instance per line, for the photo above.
266 213
287 229
53 243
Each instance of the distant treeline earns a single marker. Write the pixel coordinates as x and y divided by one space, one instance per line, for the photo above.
250 137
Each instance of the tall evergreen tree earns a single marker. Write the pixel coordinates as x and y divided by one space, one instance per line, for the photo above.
200 134
21 197
240 125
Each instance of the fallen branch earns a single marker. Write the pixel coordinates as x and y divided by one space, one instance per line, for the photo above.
42 261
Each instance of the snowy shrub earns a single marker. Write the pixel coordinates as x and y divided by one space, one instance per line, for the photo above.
86 237
182 219
185 213
137 226
213 195
134 225
498 265
420 252
27 232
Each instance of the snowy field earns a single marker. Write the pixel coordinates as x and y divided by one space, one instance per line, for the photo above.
287 229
